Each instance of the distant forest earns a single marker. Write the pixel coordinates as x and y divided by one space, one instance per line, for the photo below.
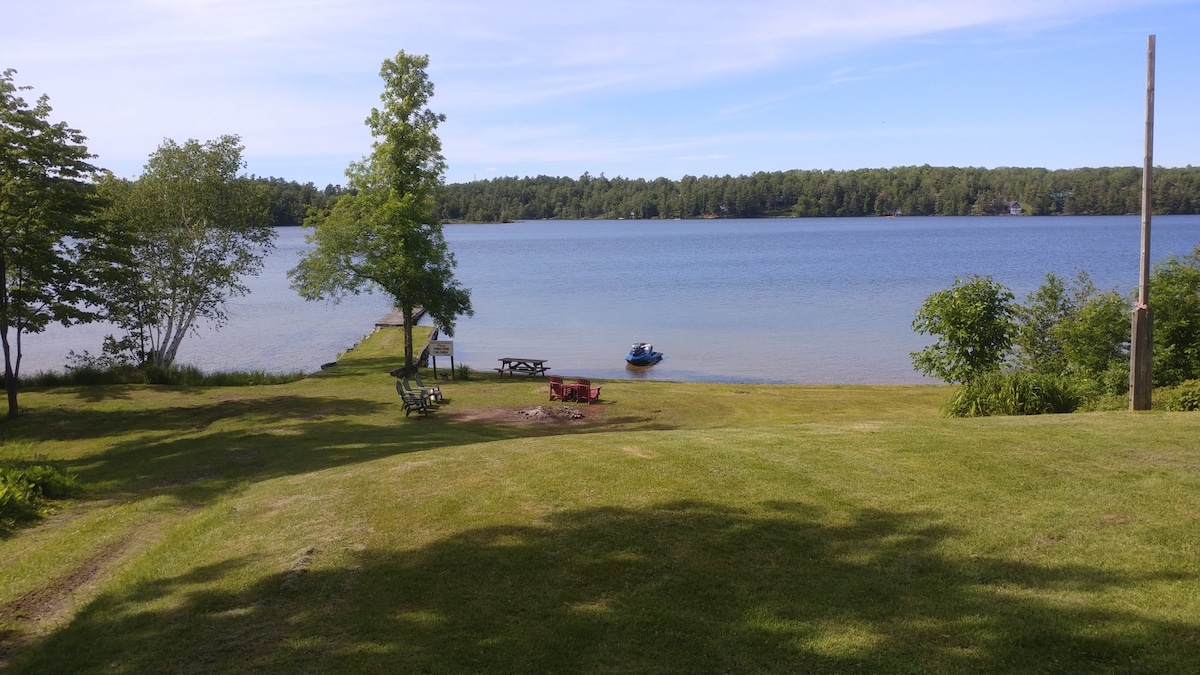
909 191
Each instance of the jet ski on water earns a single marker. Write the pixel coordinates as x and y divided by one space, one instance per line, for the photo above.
643 354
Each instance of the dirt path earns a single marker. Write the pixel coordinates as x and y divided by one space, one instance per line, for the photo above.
35 612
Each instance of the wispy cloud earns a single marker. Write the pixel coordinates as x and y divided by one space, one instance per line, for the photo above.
296 77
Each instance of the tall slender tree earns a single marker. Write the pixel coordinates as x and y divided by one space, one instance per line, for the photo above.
47 232
383 234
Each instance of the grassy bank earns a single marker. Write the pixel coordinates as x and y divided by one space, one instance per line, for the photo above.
676 527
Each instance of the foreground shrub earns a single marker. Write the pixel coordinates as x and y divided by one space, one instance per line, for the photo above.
1183 398
1014 393
16 502
25 488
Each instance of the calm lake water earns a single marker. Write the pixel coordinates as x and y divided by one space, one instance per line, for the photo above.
778 300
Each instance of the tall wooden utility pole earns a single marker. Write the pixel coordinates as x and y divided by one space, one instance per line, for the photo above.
1141 346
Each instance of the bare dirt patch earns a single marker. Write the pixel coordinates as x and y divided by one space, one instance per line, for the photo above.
52 600
555 415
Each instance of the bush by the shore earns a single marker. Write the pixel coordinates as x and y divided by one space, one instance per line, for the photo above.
1014 393
190 376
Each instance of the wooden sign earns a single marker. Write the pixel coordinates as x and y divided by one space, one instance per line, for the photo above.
441 348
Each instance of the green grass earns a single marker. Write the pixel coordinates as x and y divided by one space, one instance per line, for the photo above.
682 527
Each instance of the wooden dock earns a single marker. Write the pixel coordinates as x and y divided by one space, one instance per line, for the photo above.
396 319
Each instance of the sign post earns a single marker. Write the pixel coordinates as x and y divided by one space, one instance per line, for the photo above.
441 348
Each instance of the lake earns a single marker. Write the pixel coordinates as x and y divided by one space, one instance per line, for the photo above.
761 300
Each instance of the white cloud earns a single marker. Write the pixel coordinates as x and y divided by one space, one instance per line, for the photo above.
296 77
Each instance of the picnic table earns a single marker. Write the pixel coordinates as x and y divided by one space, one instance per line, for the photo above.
513 366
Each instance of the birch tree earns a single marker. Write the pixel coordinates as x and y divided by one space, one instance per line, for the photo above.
199 229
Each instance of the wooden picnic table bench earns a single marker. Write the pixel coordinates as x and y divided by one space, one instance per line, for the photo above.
514 366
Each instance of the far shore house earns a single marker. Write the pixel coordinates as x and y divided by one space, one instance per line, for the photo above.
1014 209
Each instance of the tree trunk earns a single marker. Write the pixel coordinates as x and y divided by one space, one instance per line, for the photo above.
10 376
10 373
407 311
168 356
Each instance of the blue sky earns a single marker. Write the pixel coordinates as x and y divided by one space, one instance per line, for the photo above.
635 89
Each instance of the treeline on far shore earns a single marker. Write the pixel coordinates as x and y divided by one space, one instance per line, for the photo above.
909 191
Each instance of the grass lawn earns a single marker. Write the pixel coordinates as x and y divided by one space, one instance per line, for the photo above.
675 527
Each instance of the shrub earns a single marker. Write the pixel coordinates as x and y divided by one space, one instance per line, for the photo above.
1014 393
80 376
1105 403
1112 383
974 324
1176 303
462 372
152 374
187 376
1183 398
248 378
16 501
1074 329
24 488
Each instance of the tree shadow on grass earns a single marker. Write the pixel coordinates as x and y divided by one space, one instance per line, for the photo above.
89 393
676 587
198 452
85 423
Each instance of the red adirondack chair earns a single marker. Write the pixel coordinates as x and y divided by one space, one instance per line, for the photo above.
556 388
584 392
